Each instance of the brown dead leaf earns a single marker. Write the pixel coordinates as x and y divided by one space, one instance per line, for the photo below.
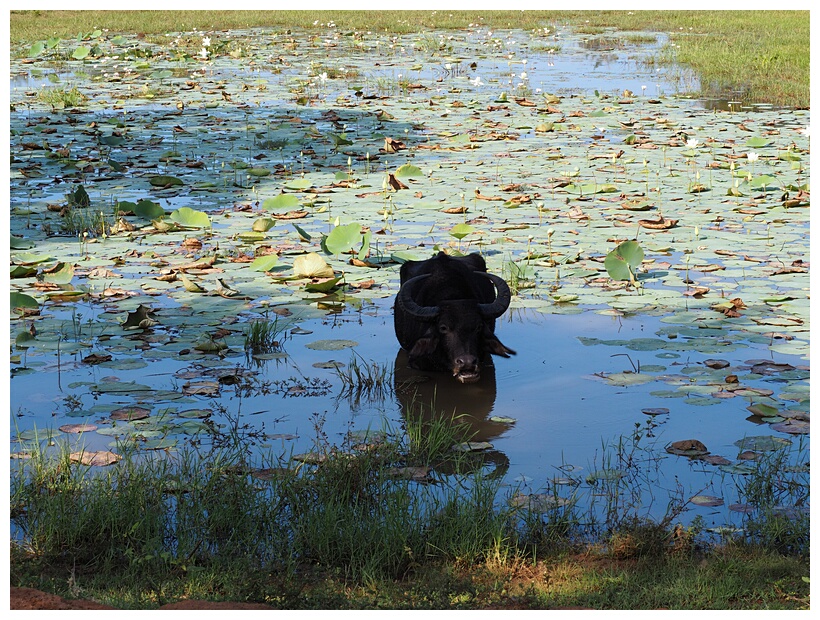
392 145
364 284
394 182
659 223
480 196
519 199
99 459
290 215
696 292
96 358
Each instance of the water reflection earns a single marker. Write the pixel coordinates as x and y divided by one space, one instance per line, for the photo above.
437 396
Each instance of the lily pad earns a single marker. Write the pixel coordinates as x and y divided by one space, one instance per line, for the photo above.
331 345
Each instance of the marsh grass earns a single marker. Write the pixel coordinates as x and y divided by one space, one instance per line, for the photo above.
761 55
265 335
203 522
364 379
60 97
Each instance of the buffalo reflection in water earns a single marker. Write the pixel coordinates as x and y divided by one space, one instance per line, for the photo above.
435 396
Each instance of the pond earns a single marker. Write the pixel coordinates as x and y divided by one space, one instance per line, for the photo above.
220 183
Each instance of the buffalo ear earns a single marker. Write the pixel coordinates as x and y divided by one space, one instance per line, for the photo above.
424 346
496 348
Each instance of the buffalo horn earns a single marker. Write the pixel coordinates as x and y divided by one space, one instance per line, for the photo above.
502 300
408 304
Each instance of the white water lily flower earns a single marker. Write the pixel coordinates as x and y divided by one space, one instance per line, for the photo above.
524 75
752 156
323 77
206 41
203 53
477 81
692 143
806 131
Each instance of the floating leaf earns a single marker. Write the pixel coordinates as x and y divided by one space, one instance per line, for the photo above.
299 184
185 216
709 501
127 414
95 459
263 224
331 345
190 285
323 287
148 210
62 273
264 263
282 202
18 243
626 379
21 300
762 443
343 238
622 262
407 171
459 231
163 181
757 142
311 266
687 447
81 52
140 318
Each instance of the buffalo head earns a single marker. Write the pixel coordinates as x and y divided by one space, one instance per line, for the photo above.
445 318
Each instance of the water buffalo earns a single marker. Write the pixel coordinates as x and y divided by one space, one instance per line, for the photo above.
445 314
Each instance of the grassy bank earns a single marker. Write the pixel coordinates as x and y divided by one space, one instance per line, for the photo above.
762 54
372 525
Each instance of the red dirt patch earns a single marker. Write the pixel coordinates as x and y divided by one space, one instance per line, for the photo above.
29 598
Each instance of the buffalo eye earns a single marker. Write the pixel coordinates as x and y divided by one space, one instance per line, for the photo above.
443 329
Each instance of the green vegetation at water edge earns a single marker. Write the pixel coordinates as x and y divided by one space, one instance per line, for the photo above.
387 520
762 54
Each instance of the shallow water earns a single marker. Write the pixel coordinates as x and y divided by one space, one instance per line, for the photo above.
560 409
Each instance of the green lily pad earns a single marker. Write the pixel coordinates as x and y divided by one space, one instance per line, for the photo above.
186 216
331 345
282 202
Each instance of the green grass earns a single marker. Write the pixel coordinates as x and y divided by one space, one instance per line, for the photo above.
351 533
762 54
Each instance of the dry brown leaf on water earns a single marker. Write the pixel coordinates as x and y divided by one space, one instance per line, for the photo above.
202 263
525 102
480 196
102 272
78 428
576 213
291 215
659 223
687 447
130 413
455 210
344 183
788 269
97 358
696 292
394 182
99 459
392 145
364 284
